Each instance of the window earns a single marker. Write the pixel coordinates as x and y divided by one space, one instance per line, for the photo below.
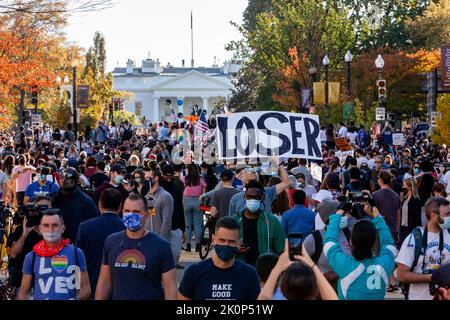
138 109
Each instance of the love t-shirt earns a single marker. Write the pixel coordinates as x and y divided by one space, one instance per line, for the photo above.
57 277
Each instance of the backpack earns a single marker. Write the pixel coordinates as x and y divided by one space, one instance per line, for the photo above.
127 133
419 249
97 133
318 243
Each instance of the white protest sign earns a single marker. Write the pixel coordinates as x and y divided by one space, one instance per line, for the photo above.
266 134
397 139
35 119
316 172
342 155
381 114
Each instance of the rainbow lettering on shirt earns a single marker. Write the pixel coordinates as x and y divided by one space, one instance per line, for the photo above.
131 258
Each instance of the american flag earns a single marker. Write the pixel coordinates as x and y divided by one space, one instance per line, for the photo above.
202 129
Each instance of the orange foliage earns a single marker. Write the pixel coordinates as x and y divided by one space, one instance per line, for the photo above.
291 80
22 64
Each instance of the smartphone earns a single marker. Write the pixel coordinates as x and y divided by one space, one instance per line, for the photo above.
295 245
356 197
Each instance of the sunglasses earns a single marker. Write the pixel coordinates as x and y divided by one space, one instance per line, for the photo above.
67 175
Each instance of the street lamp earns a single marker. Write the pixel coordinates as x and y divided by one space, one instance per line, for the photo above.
379 63
326 62
348 60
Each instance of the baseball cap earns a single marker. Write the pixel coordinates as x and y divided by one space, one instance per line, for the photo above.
242 165
327 208
118 168
321 195
168 170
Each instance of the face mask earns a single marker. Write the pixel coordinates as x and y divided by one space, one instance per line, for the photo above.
118 179
132 221
225 253
253 205
117 156
416 171
344 222
446 224
51 236
42 177
138 180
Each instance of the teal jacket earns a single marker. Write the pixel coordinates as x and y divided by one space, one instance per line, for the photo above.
271 236
361 280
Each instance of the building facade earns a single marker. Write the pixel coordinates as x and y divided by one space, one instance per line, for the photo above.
158 90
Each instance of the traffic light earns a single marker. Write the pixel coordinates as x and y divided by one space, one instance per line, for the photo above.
116 104
382 93
34 96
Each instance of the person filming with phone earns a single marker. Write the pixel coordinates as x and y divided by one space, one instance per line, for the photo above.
364 275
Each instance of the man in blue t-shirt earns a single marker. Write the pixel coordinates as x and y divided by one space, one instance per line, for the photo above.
41 188
55 270
137 264
221 277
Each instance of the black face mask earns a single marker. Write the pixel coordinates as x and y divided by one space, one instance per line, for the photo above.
68 186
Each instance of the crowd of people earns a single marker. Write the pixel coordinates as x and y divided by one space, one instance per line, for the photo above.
107 214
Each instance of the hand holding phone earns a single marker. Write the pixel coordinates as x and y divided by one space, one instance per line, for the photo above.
295 245
244 248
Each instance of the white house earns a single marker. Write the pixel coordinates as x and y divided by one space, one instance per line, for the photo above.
158 90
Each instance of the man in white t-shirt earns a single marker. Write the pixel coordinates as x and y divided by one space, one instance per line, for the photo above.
446 180
342 131
437 252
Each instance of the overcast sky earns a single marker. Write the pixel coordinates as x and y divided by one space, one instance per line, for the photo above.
133 28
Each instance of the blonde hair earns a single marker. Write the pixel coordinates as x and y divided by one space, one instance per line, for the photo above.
412 183
134 159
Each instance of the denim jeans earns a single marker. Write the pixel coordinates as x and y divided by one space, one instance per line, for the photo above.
193 217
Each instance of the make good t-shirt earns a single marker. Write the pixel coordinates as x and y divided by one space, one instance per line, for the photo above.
137 265
433 261
205 281
57 277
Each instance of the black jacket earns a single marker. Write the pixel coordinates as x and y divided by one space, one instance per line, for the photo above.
414 212
176 191
75 208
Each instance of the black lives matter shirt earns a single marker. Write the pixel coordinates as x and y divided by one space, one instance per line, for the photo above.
205 281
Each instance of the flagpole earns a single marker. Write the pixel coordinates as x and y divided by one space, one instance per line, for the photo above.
192 40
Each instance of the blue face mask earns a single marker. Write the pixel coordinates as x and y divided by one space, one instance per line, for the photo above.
118 179
446 224
344 222
225 253
253 205
416 171
132 221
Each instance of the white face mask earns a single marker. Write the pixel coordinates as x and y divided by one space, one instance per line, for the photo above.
51 236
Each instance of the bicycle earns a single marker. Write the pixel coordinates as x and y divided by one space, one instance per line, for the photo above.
208 230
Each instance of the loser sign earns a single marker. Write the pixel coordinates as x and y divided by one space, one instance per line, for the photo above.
268 134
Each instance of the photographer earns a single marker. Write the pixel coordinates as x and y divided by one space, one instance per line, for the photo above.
75 205
425 250
23 239
362 276
42 187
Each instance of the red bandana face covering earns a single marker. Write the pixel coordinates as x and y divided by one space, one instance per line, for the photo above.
42 250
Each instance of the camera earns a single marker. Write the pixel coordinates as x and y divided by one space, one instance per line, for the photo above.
33 214
357 201
46 171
